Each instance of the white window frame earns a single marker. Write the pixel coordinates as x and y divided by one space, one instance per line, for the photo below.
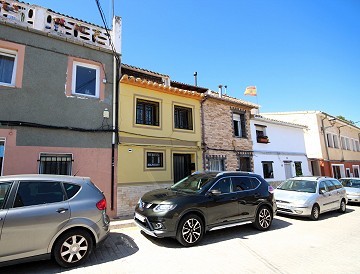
357 145
97 81
10 53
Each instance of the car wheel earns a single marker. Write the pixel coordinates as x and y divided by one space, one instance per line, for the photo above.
190 230
263 218
72 248
342 208
315 213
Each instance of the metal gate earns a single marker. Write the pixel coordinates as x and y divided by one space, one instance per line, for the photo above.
182 166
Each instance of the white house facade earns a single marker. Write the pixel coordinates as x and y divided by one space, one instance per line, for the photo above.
279 149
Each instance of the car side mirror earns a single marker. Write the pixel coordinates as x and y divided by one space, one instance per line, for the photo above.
322 191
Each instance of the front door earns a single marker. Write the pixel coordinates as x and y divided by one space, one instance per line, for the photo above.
288 170
181 166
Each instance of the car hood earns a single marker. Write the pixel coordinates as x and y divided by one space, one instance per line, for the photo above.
292 196
158 196
352 190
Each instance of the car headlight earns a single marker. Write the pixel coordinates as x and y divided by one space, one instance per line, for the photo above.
164 207
300 203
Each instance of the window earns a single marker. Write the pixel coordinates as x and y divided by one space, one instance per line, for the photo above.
298 169
147 112
216 164
12 57
239 125
261 136
330 141
223 185
154 159
347 143
268 170
330 185
4 190
357 146
241 183
86 79
337 184
7 67
245 164
336 141
37 193
59 164
71 190
2 146
183 118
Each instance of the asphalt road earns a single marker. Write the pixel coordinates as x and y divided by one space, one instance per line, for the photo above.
293 245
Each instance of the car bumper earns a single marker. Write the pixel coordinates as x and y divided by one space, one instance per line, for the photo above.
147 225
353 198
293 210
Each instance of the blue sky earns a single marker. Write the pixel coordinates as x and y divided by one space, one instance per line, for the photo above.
301 54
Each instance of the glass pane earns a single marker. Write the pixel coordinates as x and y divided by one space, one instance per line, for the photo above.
6 68
85 81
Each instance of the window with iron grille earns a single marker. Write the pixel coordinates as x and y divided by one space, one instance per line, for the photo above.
154 159
58 164
147 112
183 117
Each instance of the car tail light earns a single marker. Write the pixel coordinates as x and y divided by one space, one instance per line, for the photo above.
101 205
271 189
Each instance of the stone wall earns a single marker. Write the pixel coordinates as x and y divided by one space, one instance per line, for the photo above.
128 195
219 137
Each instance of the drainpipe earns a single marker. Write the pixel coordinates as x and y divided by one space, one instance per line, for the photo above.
203 144
323 130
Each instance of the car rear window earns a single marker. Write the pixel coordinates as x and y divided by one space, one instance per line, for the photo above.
71 190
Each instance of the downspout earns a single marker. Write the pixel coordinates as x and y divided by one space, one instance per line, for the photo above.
323 130
203 144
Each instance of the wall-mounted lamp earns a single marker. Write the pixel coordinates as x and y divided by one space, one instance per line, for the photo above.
106 113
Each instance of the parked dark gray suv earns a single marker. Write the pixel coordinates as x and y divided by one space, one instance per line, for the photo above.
43 216
205 201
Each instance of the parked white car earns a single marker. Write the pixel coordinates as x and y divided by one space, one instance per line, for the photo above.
352 187
310 196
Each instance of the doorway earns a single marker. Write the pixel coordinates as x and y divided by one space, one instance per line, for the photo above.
181 166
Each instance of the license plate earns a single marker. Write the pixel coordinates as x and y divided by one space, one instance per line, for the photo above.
139 217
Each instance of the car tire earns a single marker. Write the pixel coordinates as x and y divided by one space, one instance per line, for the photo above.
342 208
190 230
315 213
263 218
72 248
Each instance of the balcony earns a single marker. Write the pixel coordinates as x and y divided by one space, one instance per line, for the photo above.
47 21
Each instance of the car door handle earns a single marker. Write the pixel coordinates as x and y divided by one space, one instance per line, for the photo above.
62 210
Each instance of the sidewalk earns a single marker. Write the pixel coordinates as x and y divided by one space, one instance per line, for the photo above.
122 222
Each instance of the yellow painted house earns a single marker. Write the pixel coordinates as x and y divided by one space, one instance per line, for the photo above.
159 135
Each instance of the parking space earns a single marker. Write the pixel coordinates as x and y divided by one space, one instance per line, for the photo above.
293 245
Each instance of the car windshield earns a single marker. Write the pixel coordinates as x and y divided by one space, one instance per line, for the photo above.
350 183
299 186
193 183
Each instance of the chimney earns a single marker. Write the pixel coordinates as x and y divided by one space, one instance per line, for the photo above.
225 92
220 91
195 76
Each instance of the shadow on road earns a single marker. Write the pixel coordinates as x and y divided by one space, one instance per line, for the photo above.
211 237
323 216
115 247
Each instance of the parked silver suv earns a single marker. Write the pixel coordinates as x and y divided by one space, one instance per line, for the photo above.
50 216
